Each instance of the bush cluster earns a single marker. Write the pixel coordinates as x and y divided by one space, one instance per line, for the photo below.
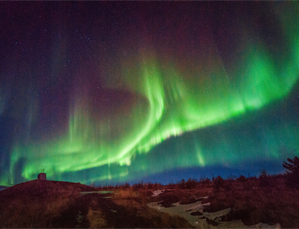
264 179
189 184
242 179
292 179
218 183
204 180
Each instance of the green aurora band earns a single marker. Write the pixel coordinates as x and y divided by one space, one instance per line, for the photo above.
169 102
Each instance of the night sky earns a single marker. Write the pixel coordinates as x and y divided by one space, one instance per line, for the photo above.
115 92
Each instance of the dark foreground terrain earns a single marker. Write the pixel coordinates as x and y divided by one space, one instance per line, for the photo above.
253 202
56 204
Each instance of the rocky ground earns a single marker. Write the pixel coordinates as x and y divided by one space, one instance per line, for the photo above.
253 202
232 204
42 204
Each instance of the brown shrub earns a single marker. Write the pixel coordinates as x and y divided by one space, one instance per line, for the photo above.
96 219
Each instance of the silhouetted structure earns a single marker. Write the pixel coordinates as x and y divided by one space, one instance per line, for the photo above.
42 176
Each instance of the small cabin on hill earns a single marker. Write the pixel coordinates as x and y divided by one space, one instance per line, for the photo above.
42 176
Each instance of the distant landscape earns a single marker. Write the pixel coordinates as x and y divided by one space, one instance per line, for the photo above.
149 114
266 201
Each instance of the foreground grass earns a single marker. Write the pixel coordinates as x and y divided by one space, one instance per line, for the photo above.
47 204
36 204
60 205
28 212
135 201
252 200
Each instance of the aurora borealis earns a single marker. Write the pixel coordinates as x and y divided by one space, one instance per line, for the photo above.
128 91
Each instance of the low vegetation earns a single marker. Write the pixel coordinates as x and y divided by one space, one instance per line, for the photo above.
41 204
267 198
292 167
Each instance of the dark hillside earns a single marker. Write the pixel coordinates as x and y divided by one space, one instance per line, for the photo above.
42 187
53 204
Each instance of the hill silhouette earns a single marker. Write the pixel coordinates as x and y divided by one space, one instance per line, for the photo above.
57 204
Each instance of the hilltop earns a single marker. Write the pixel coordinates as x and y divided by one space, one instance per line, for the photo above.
263 202
67 205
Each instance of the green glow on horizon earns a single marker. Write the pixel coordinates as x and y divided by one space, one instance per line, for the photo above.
169 105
